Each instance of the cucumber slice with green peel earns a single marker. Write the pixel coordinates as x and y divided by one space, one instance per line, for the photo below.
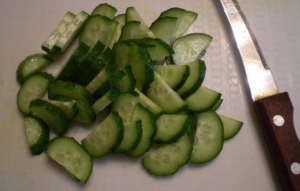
51 115
165 29
149 130
31 65
48 45
231 126
111 34
71 90
194 80
149 104
171 127
174 75
105 100
131 30
190 48
71 32
37 134
121 20
217 105
127 83
105 10
107 136
132 136
208 137
133 15
164 96
203 99
69 153
69 109
100 79
33 88
72 65
123 52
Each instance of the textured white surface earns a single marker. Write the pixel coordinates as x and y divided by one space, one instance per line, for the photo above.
244 163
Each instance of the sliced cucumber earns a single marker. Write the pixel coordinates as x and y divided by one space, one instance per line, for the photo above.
231 126
48 45
164 96
149 104
171 127
217 105
69 109
189 48
123 54
101 78
174 75
208 138
105 137
165 28
121 20
131 30
51 115
105 100
111 34
149 130
203 99
33 88
195 79
127 83
31 65
37 134
105 10
69 153
70 90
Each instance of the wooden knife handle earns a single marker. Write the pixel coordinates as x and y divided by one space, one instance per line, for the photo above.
281 138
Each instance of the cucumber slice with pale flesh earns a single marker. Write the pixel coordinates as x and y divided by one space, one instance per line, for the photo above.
105 100
105 10
165 29
231 126
121 20
217 105
131 30
149 104
69 109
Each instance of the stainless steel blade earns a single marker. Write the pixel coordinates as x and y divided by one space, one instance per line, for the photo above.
260 78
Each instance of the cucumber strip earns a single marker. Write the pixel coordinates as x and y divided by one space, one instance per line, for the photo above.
149 130
31 65
34 87
72 65
71 32
121 20
105 100
164 96
174 75
105 10
171 127
48 45
100 79
107 136
69 109
217 105
131 30
132 136
208 137
69 153
51 115
149 104
231 126
189 48
195 79
70 90
165 28
37 134
203 99
127 83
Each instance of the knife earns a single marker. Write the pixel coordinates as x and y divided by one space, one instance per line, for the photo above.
273 109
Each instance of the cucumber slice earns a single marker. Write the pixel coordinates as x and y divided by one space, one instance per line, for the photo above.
122 54
37 134
189 48
31 65
149 104
131 30
231 126
132 136
71 32
208 138
105 10
111 34
127 83
101 78
121 20
48 45
69 153
203 99
171 127
69 109
164 96
149 130
133 15
51 115
165 28
70 90
174 75
107 136
105 100
217 105
33 88
195 79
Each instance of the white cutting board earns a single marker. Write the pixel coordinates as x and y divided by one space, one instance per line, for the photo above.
243 165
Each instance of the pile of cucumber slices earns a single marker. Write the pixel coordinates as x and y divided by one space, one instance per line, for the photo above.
149 78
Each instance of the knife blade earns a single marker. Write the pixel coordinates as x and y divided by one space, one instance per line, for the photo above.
273 109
